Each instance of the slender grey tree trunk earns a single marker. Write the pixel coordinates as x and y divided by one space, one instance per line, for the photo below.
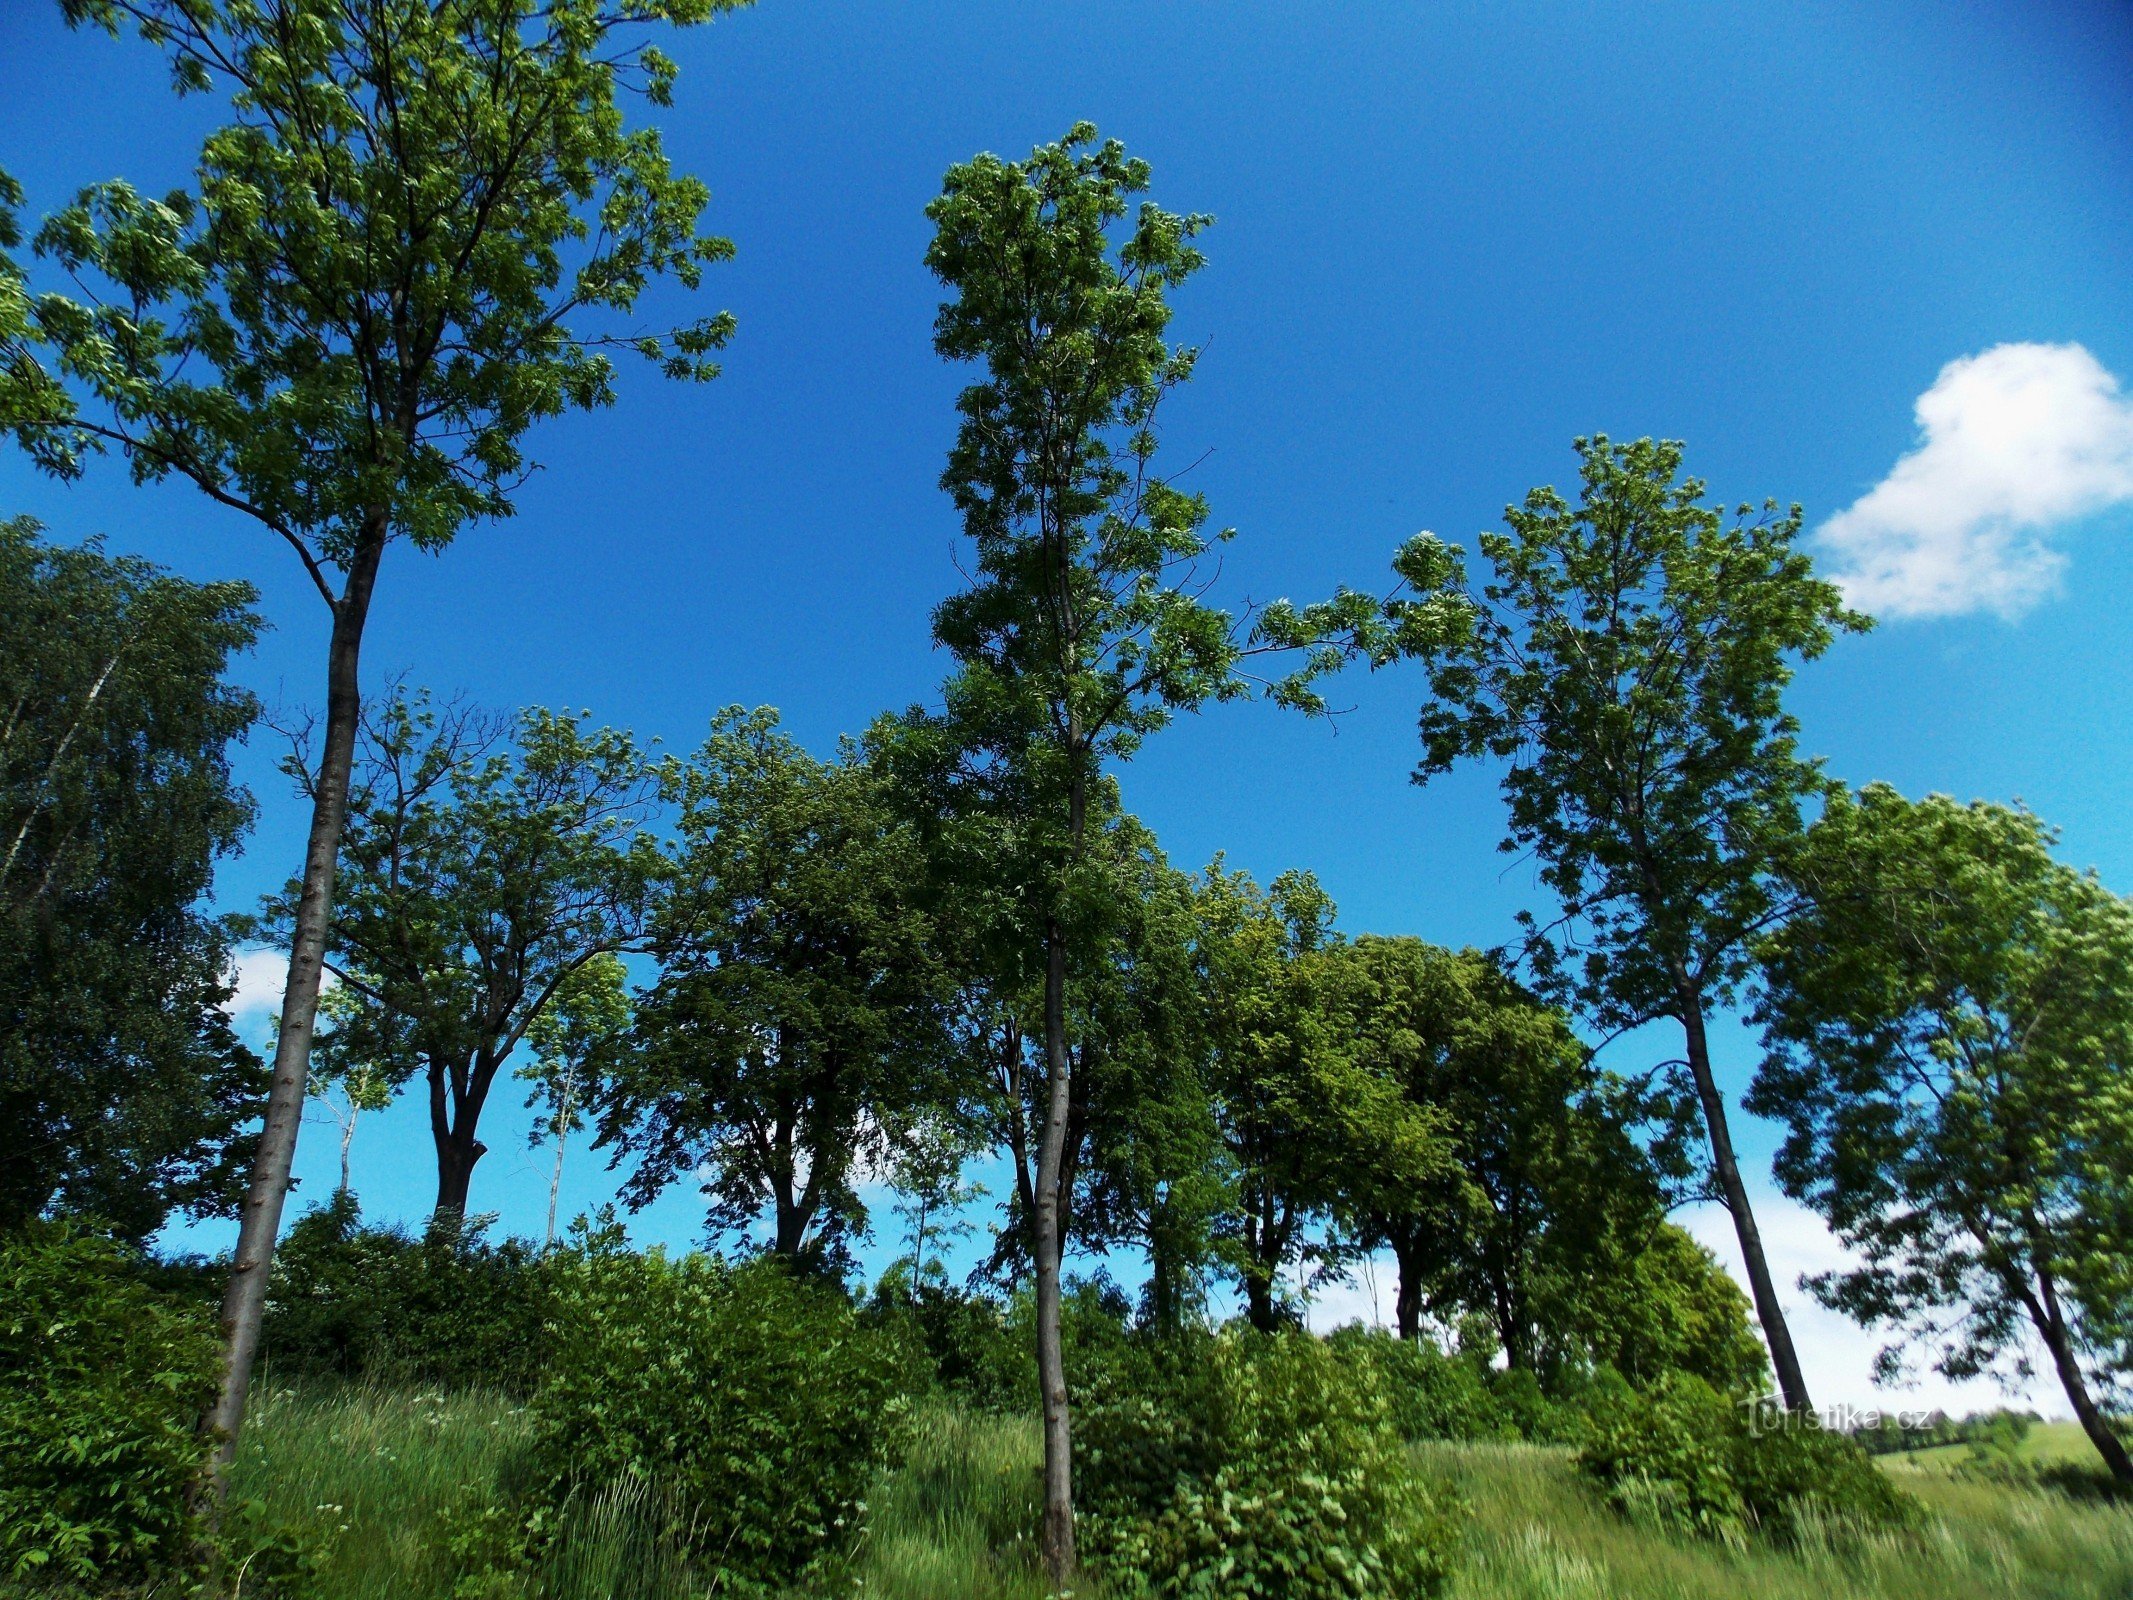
348 1133
1058 1539
562 1134
2051 1327
1047 1229
1792 1383
244 1301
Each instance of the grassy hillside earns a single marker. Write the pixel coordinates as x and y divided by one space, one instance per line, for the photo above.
391 1476
2046 1444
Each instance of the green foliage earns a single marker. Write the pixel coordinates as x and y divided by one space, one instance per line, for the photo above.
1949 1032
1672 1308
102 1381
123 1091
1628 659
1548 1198
801 1007
758 1409
377 1304
1429 1394
1686 1456
967 1343
1245 1464
398 259
483 864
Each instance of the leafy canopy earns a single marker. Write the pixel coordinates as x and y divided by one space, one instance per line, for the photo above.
122 1088
1949 1030
416 236
1627 659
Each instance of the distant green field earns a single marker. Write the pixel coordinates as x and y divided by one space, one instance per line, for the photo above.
2046 1443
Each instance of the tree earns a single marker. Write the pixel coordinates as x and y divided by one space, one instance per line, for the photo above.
1949 1033
345 1087
1670 1307
575 1038
483 865
1309 1132
411 241
1547 1194
123 1091
1628 661
800 1001
1083 629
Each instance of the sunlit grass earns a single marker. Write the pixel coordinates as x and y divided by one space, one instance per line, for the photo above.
386 1472
1539 1533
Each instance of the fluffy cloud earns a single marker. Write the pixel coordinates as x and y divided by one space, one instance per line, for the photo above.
260 977
2014 444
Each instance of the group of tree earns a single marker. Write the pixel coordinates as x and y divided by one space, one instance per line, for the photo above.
418 234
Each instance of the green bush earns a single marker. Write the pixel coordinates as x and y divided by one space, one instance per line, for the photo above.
1242 1465
1429 1395
961 1341
102 1379
1686 1456
757 1408
348 1301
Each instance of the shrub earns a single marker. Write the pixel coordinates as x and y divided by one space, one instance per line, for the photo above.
450 1309
1428 1394
1243 1465
757 1408
961 1341
1684 1455
102 1379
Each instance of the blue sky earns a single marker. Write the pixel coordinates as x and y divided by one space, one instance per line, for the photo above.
1449 238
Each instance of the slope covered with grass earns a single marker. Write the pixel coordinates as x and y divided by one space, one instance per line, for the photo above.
392 1478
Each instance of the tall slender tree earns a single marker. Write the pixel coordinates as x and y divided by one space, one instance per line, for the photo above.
575 1040
412 240
1084 628
1949 1025
1627 661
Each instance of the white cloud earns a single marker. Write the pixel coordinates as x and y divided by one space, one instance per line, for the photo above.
261 975
2014 444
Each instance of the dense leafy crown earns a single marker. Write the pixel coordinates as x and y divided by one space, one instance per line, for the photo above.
1628 660
412 240
122 1086
1949 1026
1085 618
484 863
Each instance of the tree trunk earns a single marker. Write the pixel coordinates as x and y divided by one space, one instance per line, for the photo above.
562 1135
457 1151
1162 1286
1259 1301
1058 1534
1407 1306
245 1299
1792 1383
2051 1327
348 1133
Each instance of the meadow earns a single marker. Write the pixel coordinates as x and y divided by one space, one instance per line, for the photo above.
391 1478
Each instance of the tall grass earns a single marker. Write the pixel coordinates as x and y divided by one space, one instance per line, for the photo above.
1539 1533
377 1473
388 1475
